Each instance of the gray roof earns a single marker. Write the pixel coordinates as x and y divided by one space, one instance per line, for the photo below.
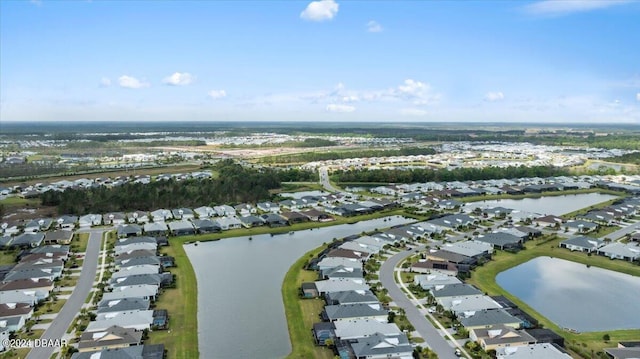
500 239
121 305
623 353
153 279
454 290
113 336
531 351
28 239
55 248
382 345
204 223
468 248
360 328
131 240
357 310
488 317
351 297
125 229
342 272
584 242
132 352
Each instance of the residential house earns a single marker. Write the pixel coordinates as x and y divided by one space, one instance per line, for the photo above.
270 207
27 240
10 228
500 240
333 262
205 225
625 251
251 221
115 218
322 332
341 272
129 230
485 318
549 221
351 297
113 337
245 209
546 351
181 228
136 270
468 303
225 211
145 291
434 266
317 215
350 330
89 220
227 223
500 336
355 311
161 215
204 212
66 222
274 220
123 305
138 320
41 224
58 237
429 281
138 217
155 229
380 346
155 351
599 217
340 285
294 217
582 244
41 287
182 213
348 253
472 249
462 262
454 290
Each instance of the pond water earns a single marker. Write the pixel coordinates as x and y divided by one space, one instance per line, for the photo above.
575 296
556 205
240 308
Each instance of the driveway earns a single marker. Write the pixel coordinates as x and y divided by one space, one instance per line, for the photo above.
58 328
622 231
421 324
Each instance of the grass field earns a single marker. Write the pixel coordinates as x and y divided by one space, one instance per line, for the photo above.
484 278
302 313
8 256
181 340
15 201
79 242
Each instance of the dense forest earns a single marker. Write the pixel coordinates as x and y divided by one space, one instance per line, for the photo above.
334 155
628 158
458 174
234 184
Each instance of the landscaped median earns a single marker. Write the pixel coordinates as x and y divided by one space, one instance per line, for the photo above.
484 278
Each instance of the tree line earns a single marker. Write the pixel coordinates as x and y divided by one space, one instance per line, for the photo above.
234 184
458 174
338 155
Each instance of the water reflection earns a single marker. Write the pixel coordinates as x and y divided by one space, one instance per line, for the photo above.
240 309
556 205
575 296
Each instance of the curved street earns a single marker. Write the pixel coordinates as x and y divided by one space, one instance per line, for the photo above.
421 324
72 307
324 180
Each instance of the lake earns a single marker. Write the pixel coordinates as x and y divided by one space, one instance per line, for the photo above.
557 205
240 308
575 296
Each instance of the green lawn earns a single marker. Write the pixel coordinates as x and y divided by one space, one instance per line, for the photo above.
8 257
302 313
484 278
19 201
79 242
181 340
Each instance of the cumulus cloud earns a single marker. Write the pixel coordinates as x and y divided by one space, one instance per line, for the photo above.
412 112
340 108
131 82
217 94
566 7
418 92
178 79
321 10
105 82
494 96
373 26
638 96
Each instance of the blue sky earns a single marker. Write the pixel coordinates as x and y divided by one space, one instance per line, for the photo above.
499 61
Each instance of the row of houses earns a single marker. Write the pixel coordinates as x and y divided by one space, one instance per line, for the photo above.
355 322
415 192
126 309
26 284
629 251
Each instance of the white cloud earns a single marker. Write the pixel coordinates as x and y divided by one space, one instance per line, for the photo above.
340 108
418 92
178 79
566 7
373 26
494 96
131 82
217 94
36 2
412 112
105 82
320 10
638 96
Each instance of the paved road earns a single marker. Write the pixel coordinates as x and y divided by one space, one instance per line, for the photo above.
422 325
324 180
63 320
622 232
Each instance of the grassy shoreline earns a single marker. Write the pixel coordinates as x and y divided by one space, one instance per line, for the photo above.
484 278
